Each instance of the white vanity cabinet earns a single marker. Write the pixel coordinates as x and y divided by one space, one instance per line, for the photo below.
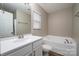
22 51
31 49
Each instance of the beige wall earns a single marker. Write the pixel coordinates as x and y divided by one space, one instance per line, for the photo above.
60 23
43 30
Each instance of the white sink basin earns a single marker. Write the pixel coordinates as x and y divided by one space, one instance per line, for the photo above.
19 40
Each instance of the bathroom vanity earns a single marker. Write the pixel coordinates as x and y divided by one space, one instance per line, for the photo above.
27 46
17 23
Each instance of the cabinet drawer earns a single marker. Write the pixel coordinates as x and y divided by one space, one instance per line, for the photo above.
37 44
22 51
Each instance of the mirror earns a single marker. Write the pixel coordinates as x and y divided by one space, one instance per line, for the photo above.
15 19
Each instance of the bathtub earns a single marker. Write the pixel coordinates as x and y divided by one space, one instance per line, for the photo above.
60 45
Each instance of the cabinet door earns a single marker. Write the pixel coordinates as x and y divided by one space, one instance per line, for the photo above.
38 51
37 44
23 51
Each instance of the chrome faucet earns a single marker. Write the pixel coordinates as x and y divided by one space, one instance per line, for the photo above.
67 41
20 36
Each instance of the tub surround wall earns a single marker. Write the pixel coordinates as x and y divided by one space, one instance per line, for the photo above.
43 30
60 23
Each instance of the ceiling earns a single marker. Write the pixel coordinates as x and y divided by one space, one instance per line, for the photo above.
53 7
48 7
12 7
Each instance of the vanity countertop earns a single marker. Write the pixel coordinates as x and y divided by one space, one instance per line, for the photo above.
14 43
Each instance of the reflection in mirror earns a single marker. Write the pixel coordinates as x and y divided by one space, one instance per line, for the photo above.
6 23
15 19
23 23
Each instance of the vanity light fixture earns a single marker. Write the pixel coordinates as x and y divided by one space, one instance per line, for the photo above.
27 5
